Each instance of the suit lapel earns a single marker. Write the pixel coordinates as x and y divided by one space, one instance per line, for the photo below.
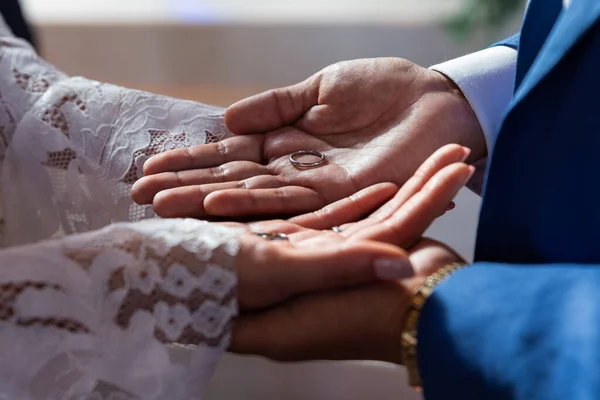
569 27
521 207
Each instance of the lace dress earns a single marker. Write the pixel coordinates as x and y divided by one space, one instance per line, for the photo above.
94 302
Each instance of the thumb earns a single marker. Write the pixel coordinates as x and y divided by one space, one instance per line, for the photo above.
273 109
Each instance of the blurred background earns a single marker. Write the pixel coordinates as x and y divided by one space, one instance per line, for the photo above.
219 51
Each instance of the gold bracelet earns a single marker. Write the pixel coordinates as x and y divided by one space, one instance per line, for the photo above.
410 332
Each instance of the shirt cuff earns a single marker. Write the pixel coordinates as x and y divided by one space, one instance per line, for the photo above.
487 80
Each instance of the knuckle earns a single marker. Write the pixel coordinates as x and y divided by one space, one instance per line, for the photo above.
430 165
355 201
218 172
279 195
178 178
202 192
277 100
221 149
189 156
324 212
243 184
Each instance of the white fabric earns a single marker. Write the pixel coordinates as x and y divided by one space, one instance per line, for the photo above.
487 80
108 309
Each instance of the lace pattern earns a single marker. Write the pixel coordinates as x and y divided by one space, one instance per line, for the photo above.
91 141
100 310
112 307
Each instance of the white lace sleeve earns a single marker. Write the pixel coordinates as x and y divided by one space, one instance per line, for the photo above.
132 310
83 143
76 146
99 315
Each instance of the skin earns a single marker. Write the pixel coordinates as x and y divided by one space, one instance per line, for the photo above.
376 120
318 295
356 323
315 259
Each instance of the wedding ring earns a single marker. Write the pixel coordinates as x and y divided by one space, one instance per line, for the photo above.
272 236
300 164
337 229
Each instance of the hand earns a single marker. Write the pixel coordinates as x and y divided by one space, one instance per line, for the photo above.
360 323
312 259
438 176
376 120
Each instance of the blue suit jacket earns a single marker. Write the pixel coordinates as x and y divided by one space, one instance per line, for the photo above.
524 321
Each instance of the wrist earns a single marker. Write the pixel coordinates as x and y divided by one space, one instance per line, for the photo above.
486 78
428 257
409 336
471 136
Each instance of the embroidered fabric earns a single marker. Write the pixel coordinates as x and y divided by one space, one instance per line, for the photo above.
95 303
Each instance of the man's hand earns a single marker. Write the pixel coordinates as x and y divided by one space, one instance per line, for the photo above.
375 120
312 259
360 323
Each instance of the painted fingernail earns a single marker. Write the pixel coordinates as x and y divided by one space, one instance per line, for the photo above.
392 269
466 152
471 172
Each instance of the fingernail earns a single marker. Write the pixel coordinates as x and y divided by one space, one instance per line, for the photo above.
147 159
471 172
392 269
466 152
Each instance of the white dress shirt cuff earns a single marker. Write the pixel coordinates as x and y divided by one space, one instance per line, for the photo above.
487 80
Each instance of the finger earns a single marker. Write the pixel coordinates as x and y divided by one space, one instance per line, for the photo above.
278 201
349 209
230 224
272 109
411 220
344 227
269 273
144 190
450 207
274 226
243 148
443 157
189 201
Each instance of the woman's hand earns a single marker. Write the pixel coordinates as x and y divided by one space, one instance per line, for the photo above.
359 323
313 260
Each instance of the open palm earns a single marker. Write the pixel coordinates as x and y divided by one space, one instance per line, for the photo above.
315 257
375 120
318 298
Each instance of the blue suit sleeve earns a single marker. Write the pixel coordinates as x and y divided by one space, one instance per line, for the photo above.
495 331
512 42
